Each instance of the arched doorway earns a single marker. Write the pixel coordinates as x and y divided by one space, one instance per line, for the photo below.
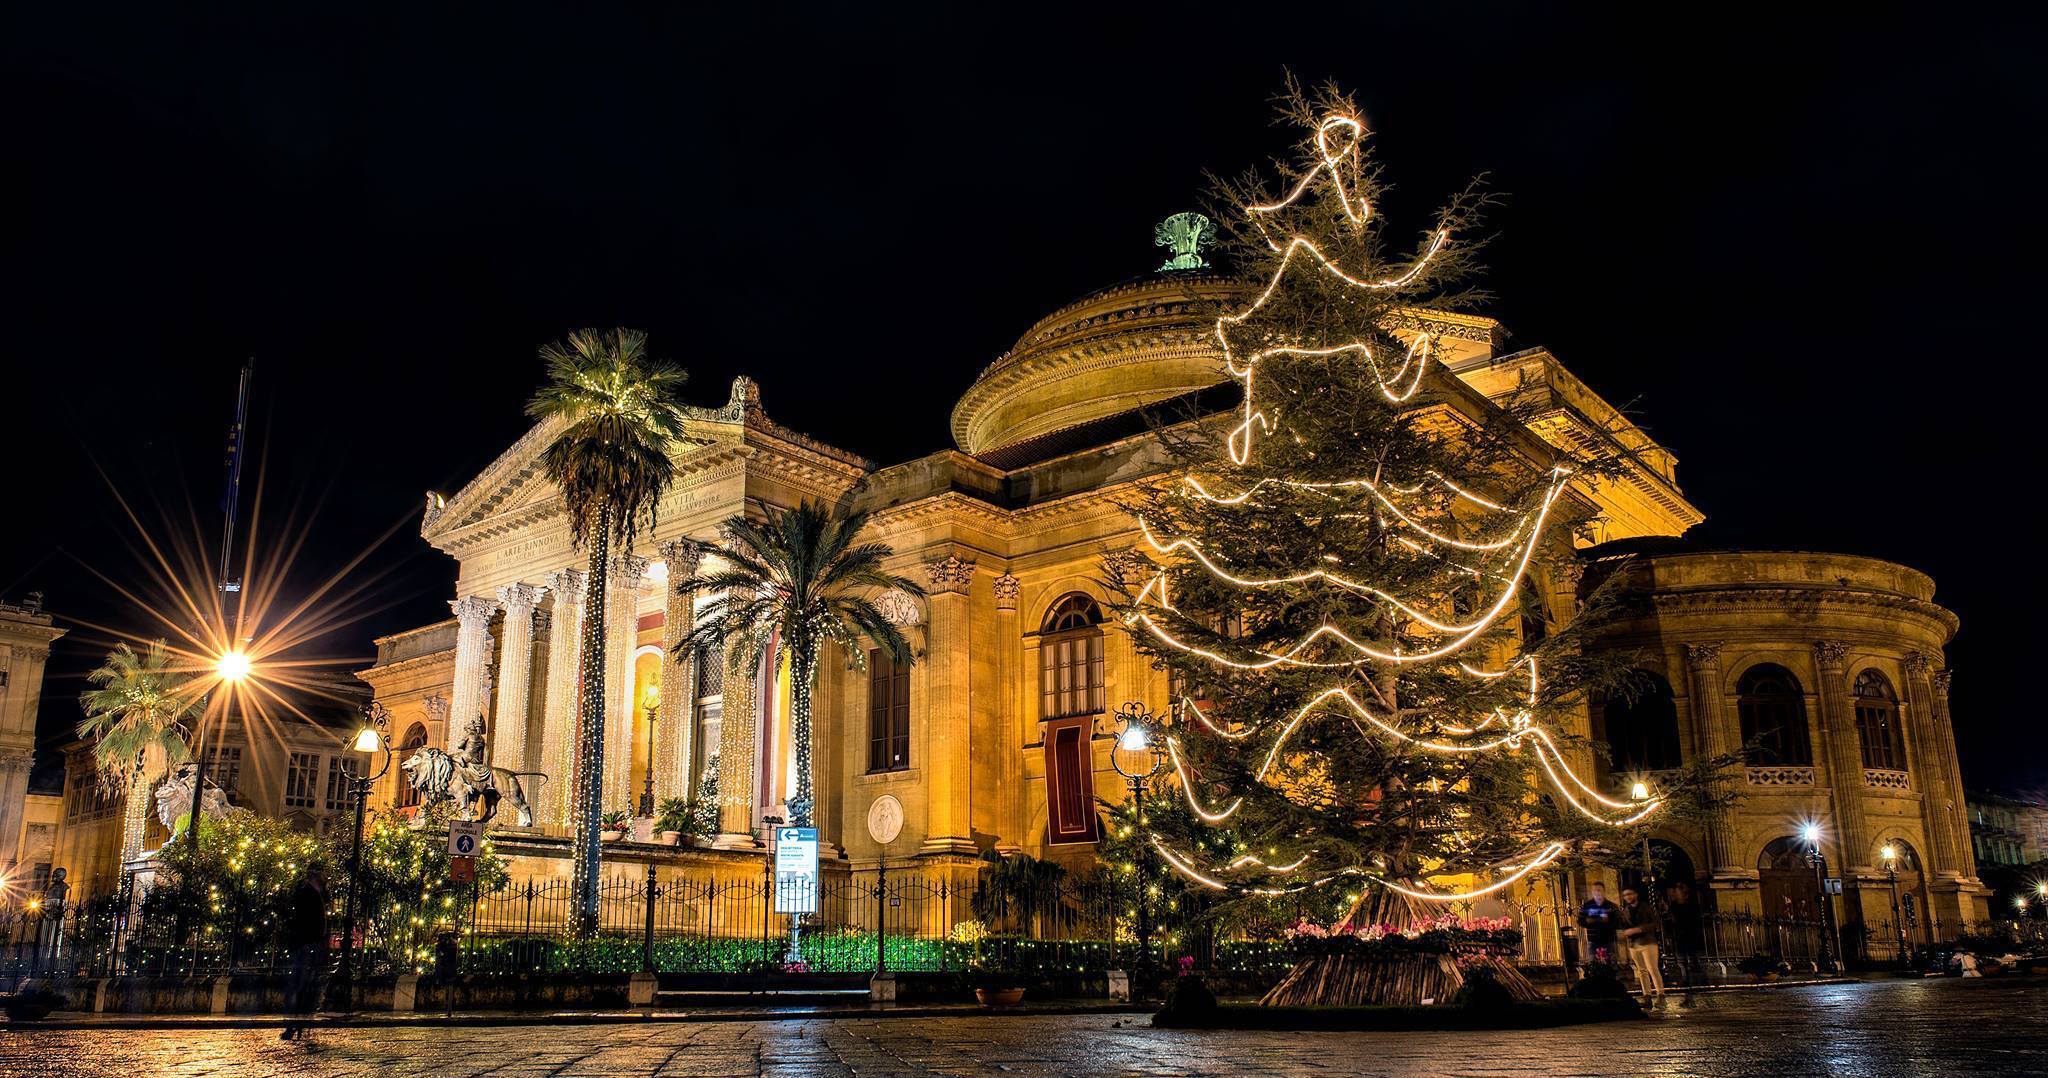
1906 889
1786 884
1668 861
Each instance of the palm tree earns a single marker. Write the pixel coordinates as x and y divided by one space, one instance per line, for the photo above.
796 582
611 461
134 716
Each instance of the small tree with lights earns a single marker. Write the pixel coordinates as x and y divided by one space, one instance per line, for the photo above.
1338 578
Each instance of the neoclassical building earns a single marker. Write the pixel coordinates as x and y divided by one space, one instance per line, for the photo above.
996 738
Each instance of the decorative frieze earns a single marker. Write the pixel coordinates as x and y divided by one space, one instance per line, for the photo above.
1885 778
899 608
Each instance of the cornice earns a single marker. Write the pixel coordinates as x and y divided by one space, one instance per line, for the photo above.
1750 597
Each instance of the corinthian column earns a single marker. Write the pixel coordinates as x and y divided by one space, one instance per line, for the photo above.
1845 754
1966 856
472 652
736 756
622 629
1010 737
948 669
515 675
1941 795
1710 736
558 720
673 729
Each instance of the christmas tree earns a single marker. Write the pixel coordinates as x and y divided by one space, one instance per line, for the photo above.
1341 579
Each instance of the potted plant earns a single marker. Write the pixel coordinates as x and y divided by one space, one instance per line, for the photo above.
612 825
997 988
1762 967
674 820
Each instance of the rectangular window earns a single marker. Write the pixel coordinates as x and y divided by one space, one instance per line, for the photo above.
888 712
1071 678
1877 728
224 769
301 780
1069 782
341 772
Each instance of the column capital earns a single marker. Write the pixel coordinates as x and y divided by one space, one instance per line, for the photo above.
437 706
1917 663
473 610
1941 680
682 556
1007 589
1830 654
950 574
1566 577
518 599
1703 655
567 584
627 570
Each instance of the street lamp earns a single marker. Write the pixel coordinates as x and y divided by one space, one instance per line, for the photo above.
1890 854
1811 834
369 740
1639 792
232 666
651 700
1138 743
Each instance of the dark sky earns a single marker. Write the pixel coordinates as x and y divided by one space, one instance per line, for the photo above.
1805 253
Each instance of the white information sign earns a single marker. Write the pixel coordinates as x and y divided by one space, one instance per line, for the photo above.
465 837
796 870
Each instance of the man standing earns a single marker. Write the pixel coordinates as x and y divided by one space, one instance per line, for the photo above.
1639 933
305 944
1598 921
1687 934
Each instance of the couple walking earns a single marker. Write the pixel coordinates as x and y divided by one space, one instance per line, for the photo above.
1637 929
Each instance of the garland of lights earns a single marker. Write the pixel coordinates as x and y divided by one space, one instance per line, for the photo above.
1337 140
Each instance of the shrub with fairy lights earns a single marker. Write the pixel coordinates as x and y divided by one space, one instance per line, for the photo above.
240 883
408 897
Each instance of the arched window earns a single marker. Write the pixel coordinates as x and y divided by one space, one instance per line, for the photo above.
1877 722
1903 859
1773 713
415 740
1071 664
1642 731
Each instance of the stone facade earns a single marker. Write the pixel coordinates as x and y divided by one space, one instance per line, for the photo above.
26 634
1011 531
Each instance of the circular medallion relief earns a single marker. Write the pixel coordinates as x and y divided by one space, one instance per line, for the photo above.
885 819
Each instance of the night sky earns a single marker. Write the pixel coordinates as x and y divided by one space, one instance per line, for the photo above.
1804 255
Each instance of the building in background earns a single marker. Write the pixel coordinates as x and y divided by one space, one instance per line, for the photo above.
2008 830
1829 666
26 634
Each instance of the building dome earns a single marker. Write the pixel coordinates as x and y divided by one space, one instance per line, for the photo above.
1122 347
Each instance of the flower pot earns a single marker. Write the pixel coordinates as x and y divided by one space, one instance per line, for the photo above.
610 836
672 838
999 997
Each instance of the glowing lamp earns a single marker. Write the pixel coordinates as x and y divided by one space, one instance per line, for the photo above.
2019 902
1811 833
1134 739
367 740
2041 888
1640 791
1889 853
233 665
650 696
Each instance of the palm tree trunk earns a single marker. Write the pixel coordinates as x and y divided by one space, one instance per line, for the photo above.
587 808
803 673
134 818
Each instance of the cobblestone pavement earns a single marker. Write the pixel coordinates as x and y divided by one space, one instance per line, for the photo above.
1903 1028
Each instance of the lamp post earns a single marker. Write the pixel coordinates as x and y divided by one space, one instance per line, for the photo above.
369 740
1819 861
1639 792
1890 854
232 667
651 700
1138 740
